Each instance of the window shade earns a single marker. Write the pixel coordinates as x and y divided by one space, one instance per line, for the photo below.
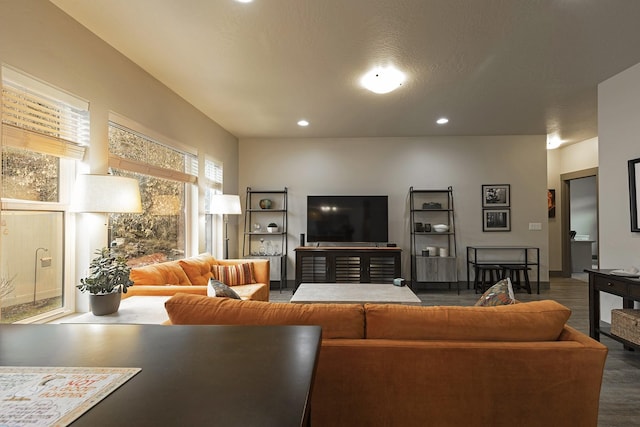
38 122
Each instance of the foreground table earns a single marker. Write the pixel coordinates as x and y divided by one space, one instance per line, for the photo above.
191 375
354 293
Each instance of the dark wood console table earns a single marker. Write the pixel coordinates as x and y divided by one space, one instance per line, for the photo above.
338 264
625 287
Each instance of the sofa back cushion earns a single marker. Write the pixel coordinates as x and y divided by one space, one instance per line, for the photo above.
198 268
165 273
336 320
531 321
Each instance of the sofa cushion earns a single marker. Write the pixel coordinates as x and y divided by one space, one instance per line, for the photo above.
233 275
166 273
336 320
198 268
216 288
531 321
499 294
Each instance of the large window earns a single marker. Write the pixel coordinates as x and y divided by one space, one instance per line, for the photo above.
166 178
213 224
44 132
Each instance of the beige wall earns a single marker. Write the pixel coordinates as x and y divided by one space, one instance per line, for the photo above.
37 38
389 166
572 158
619 130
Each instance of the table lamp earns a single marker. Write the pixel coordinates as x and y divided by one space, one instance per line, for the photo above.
106 194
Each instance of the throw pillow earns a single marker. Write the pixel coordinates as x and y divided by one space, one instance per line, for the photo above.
234 275
499 294
216 288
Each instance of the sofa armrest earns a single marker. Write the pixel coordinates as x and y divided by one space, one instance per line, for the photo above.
261 268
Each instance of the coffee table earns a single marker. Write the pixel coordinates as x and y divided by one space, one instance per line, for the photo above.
354 293
191 375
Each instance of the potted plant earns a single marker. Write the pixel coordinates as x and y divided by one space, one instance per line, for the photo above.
272 227
108 279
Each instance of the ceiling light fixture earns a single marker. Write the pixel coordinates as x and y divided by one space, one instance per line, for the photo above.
383 79
303 123
442 121
244 1
553 142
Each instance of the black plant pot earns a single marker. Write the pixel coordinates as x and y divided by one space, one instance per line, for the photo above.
105 303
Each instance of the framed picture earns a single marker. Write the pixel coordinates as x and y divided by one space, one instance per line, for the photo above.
496 196
634 193
496 220
551 203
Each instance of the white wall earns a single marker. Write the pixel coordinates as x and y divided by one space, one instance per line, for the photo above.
389 166
619 137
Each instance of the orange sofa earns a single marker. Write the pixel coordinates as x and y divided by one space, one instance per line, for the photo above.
191 276
395 365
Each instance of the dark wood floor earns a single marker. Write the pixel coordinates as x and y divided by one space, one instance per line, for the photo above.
620 395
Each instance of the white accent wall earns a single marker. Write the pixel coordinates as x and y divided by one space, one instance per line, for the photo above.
389 166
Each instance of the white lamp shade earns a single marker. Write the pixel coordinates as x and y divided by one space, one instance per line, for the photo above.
106 193
225 204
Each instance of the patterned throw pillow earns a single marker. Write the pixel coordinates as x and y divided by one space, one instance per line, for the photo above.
234 275
216 288
499 294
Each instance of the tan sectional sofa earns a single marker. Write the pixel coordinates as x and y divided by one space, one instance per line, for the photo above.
394 365
191 275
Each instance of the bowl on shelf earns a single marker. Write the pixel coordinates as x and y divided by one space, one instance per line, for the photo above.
440 228
265 203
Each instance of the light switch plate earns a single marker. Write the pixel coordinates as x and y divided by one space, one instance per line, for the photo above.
536 226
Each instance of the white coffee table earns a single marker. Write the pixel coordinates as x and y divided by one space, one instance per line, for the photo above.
133 310
354 293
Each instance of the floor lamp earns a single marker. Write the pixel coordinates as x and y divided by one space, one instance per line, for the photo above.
225 205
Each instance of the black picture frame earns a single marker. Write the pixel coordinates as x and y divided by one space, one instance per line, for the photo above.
634 193
496 219
551 202
496 195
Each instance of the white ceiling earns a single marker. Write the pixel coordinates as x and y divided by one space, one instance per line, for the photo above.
494 67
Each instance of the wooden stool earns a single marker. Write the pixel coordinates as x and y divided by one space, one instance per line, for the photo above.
514 272
486 276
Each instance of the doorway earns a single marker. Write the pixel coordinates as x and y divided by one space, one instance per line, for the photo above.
579 223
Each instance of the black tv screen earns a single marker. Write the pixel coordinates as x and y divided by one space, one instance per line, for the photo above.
347 219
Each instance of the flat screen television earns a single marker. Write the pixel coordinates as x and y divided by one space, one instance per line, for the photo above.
362 219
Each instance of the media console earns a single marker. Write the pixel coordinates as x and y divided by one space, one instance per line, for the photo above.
338 264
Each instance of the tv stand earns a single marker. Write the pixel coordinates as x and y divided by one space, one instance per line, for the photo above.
343 264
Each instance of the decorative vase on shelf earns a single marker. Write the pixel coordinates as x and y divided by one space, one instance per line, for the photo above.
266 203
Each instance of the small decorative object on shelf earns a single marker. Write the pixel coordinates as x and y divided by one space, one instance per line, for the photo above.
265 203
257 227
440 228
432 205
272 227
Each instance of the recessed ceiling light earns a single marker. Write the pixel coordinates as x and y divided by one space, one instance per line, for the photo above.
303 123
442 121
383 79
244 1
